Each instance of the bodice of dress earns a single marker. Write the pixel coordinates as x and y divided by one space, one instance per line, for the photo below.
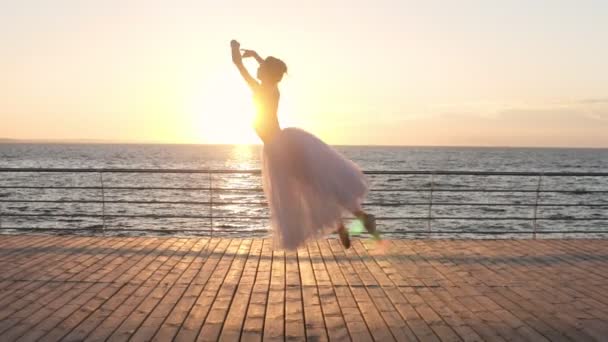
266 122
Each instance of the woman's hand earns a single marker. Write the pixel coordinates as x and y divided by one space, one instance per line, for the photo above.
238 61
249 53
252 53
236 53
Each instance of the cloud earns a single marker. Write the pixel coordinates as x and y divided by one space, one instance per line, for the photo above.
593 101
553 123
581 110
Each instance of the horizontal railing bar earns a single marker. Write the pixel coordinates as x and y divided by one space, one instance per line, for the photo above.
490 204
134 229
463 218
218 231
492 218
255 171
379 204
499 232
123 170
582 192
491 173
129 188
133 202
576 191
487 204
129 216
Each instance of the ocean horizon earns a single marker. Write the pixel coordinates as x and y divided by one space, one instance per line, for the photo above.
9 141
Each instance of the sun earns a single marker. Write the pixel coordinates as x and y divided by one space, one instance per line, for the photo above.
222 111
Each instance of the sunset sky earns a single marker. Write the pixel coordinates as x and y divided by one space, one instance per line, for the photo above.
491 73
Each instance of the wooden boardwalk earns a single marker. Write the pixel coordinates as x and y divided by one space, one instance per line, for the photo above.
148 288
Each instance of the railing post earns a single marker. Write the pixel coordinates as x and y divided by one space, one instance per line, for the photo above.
103 203
430 216
539 184
1 208
210 201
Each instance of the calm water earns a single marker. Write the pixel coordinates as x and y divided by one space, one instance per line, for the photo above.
234 206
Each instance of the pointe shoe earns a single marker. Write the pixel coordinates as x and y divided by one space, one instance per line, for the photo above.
369 222
344 238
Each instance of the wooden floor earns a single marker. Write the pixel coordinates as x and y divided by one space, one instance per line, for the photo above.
141 288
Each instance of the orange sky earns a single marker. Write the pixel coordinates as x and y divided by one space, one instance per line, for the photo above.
508 73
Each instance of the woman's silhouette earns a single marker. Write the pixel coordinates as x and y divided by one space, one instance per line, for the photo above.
308 184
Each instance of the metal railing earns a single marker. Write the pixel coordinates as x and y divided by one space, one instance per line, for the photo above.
436 190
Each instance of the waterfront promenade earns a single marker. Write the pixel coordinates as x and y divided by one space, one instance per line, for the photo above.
76 288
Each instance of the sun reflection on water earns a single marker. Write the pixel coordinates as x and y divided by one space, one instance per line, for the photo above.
240 194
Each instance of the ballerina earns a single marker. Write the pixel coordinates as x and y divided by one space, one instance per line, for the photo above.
308 184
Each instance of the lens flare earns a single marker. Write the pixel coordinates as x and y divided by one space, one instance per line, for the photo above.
355 227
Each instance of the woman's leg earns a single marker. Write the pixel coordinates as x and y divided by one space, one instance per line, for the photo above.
344 238
369 222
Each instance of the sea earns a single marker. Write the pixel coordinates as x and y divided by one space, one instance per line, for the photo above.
233 204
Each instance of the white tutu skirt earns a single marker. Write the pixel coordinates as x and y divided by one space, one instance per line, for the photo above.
309 186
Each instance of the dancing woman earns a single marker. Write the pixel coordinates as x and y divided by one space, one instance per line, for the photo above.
307 183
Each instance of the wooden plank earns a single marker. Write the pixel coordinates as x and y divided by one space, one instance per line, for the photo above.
423 320
294 310
143 256
535 273
253 327
214 321
390 301
352 316
313 314
141 288
58 297
14 249
17 240
35 293
148 298
351 268
113 297
235 319
30 274
274 318
173 287
204 265
116 315
127 262
196 317
465 292
332 312
480 304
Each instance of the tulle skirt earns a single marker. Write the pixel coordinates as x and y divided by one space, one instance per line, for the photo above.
309 186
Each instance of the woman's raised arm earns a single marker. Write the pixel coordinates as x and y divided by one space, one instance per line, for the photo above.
252 53
238 61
